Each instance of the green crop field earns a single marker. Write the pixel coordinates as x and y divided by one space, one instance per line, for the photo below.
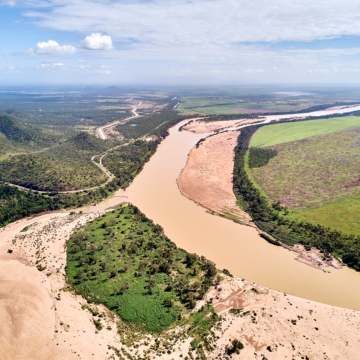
124 261
279 133
312 172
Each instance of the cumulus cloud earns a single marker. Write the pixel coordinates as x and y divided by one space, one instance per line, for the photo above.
52 47
97 41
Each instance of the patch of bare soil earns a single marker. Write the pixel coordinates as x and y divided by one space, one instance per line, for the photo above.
341 107
203 126
42 319
279 326
151 138
112 134
208 174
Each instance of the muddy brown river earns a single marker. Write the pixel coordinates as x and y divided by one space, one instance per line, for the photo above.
235 247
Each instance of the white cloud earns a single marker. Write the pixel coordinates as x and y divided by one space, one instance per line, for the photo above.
96 41
104 69
82 61
1 55
203 21
49 65
52 47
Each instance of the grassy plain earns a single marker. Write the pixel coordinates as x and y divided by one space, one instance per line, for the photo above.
312 172
279 133
342 215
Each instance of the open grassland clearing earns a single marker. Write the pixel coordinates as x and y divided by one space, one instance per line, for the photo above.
312 172
285 132
343 215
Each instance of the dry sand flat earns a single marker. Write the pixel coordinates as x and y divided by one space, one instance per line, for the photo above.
207 177
201 126
41 319
278 326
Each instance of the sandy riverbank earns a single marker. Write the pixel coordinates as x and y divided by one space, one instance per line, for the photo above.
202 126
207 176
43 320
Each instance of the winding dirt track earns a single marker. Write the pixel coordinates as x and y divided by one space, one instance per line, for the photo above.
100 129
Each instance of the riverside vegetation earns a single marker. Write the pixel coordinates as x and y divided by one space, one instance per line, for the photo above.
124 261
271 217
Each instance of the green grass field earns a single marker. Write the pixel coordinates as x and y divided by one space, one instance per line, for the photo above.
312 172
279 133
342 215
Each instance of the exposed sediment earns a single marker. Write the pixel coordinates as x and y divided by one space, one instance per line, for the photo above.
208 174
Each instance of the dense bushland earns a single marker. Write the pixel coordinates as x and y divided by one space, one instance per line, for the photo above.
156 123
66 166
16 204
260 157
268 217
128 160
124 261
16 136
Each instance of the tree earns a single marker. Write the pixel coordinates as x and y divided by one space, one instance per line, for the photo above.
235 347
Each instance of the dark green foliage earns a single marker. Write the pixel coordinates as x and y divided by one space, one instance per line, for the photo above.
16 136
16 204
235 347
128 265
129 160
201 323
260 157
156 123
289 232
97 324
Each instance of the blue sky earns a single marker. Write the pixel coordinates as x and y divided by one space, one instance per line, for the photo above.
179 41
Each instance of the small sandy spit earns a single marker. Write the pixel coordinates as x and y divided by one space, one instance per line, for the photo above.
203 126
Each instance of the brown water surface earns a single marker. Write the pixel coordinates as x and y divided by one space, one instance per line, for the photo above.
235 247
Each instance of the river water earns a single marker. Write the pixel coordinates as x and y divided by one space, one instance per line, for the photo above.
235 247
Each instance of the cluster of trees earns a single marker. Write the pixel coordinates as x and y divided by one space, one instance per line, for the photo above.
18 136
123 260
16 204
269 217
260 157
128 161
154 123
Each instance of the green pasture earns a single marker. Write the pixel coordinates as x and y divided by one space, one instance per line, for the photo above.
279 133
312 172
343 215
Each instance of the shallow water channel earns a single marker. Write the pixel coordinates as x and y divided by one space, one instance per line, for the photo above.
235 247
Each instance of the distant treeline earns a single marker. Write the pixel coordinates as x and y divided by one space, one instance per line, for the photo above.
309 109
268 217
156 123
